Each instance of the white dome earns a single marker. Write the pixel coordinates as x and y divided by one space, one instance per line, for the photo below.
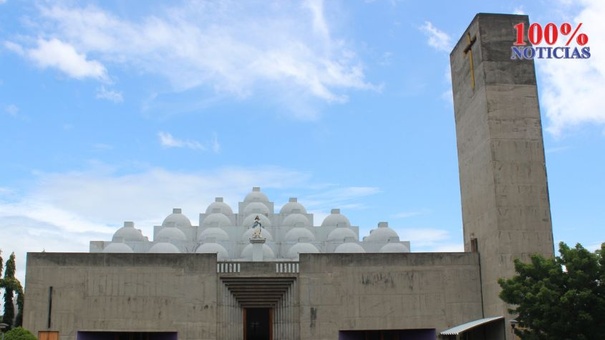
350 247
213 248
267 252
335 219
256 196
217 220
163 247
342 233
170 233
219 206
217 233
296 220
247 235
256 208
117 248
128 234
293 207
299 234
394 247
382 234
249 221
176 219
301 248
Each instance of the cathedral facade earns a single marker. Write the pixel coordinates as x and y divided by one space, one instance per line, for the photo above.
262 274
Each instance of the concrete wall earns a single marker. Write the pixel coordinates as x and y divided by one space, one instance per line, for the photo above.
122 292
387 291
183 293
505 203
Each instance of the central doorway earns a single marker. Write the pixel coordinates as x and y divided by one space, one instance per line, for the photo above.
126 335
258 324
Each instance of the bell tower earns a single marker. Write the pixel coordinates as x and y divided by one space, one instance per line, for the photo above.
503 184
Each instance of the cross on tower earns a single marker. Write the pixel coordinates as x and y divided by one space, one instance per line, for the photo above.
468 50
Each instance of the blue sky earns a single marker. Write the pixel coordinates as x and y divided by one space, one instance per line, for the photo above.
113 111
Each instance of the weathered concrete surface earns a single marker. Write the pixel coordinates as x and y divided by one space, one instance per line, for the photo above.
183 293
122 292
387 291
505 204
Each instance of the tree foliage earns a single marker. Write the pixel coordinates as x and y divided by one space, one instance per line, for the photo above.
559 298
11 286
19 333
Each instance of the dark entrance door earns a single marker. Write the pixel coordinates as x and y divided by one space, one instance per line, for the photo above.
127 336
258 324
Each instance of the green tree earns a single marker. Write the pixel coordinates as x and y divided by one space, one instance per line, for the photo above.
11 286
559 298
19 333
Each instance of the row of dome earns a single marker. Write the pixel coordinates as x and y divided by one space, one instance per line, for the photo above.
220 216
128 233
335 219
255 203
223 254
223 232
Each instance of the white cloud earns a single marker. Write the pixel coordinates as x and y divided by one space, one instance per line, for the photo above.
215 145
428 239
446 248
438 39
593 247
36 225
386 59
14 47
12 110
63 56
39 211
168 141
519 10
408 214
331 196
558 149
448 96
319 22
229 47
572 90
111 95
31 235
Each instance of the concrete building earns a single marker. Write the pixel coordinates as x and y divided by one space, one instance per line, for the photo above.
236 276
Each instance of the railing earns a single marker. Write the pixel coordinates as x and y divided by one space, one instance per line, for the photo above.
286 267
236 267
228 267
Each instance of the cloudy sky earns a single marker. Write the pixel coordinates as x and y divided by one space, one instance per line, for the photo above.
113 111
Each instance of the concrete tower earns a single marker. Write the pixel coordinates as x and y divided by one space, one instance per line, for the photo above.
505 204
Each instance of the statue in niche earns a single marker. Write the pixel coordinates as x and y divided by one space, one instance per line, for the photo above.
257 226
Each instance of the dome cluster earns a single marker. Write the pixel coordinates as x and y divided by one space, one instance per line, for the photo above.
255 233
